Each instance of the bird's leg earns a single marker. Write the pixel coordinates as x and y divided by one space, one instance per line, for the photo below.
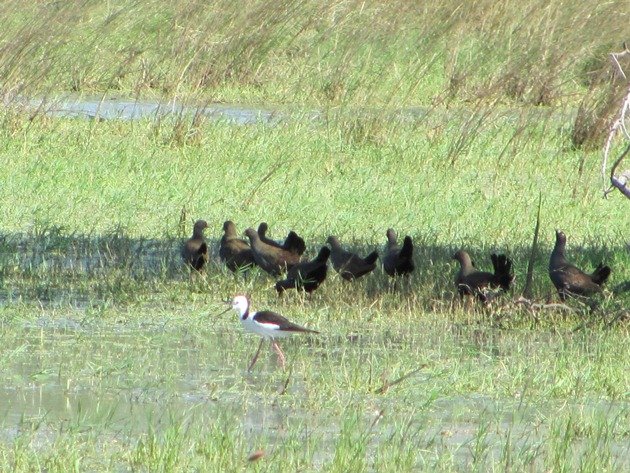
253 362
196 276
391 285
407 283
277 349
562 294
469 302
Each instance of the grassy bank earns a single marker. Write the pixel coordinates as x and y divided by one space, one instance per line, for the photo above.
453 182
125 191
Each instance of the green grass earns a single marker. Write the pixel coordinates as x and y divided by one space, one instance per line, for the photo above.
112 359
94 178
121 192
339 52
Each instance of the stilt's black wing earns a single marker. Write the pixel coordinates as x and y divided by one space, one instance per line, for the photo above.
272 318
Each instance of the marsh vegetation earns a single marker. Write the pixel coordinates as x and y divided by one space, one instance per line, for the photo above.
446 122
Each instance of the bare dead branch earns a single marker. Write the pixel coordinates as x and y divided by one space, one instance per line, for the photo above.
536 306
618 126
614 57
618 181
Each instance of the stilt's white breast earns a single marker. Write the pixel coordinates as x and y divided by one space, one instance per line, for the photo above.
241 305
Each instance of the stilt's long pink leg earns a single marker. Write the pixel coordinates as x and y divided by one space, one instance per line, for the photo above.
253 362
277 349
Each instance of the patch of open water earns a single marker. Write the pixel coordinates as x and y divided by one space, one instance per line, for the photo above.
113 108
116 108
120 382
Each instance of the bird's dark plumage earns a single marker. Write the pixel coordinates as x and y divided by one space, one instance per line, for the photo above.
568 279
470 281
307 275
273 318
233 251
398 261
350 266
293 242
271 259
195 249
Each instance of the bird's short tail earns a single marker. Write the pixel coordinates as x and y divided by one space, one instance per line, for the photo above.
371 258
294 243
502 271
323 254
407 249
601 274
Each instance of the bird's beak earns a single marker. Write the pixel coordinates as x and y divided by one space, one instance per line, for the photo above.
221 313
226 309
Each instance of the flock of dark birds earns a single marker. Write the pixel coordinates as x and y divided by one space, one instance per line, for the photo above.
286 259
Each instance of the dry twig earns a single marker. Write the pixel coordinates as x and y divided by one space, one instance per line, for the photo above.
618 181
388 384
537 306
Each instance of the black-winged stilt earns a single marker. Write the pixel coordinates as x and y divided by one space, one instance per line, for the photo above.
269 325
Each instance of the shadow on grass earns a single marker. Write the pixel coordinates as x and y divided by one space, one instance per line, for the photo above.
43 264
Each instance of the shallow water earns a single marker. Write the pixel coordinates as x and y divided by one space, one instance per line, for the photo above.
116 108
113 108
118 383
117 376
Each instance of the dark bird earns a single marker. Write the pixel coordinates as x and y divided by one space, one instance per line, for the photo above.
293 242
471 282
398 261
269 325
570 280
233 251
195 249
307 275
271 259
350 266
